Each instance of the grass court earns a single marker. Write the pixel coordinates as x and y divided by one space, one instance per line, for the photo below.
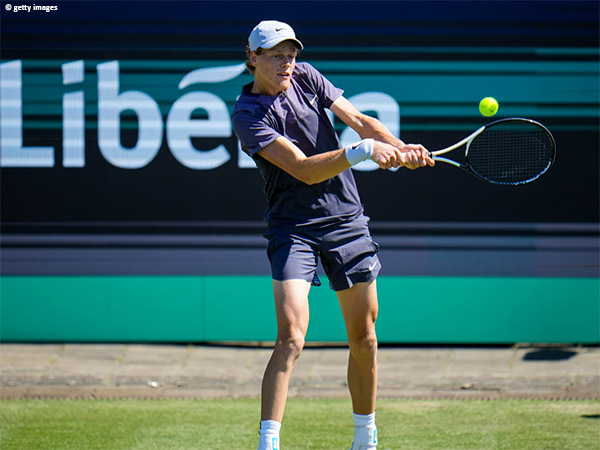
309 424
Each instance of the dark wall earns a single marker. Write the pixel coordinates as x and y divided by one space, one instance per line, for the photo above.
435 59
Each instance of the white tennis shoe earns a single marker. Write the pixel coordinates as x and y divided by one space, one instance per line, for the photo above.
363 447
268 443
368 438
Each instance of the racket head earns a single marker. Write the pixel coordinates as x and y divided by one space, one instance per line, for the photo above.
511 151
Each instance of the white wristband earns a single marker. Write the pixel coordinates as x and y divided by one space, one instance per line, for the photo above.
359 151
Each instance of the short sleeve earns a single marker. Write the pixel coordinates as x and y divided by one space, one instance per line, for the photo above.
253 132
326 91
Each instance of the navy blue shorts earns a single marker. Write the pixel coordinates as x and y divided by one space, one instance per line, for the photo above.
346 250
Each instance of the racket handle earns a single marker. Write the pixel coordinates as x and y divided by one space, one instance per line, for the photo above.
447 161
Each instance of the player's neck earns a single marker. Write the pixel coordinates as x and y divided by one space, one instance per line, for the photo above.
264 87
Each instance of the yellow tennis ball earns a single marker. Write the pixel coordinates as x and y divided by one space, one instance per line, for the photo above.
488 106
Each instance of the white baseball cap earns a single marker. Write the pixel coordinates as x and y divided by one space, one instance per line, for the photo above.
269 33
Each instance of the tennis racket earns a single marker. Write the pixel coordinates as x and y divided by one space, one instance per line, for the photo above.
508 151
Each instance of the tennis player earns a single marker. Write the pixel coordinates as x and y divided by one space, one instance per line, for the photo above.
314 211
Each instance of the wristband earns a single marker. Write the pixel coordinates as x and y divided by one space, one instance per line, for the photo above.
359 151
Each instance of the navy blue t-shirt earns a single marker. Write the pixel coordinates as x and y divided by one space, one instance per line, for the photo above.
299 115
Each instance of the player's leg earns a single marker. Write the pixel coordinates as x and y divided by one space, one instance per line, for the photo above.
359 307
294 261
291 305
349 257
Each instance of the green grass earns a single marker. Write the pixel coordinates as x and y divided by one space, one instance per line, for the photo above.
231 424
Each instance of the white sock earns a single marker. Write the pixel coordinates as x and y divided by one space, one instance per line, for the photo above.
269 435
365 431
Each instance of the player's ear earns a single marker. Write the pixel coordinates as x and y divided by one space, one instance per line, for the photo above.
253 58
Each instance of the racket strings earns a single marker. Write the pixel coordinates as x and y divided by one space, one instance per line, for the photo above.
511 153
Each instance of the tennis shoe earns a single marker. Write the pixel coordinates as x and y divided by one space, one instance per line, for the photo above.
268 443
365 438
363 447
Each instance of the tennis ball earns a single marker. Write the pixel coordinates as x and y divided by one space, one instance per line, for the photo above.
488 106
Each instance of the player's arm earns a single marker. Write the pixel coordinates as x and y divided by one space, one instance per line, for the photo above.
317 168
287 156
369 127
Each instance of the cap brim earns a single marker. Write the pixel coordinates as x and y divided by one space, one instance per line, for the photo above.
274 42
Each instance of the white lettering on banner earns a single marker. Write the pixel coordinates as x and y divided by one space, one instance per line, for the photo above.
212 75
180 127
12 152
111 104
73 117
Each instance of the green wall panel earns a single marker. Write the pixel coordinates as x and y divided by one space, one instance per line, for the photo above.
239 309
230 308
111 308
464 310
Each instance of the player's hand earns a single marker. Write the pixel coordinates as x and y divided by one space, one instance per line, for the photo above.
411 156
414 156
386 156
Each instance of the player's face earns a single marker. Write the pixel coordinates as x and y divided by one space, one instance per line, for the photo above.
274 69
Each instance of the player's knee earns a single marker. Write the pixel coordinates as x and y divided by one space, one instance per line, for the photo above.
290 348
364 348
